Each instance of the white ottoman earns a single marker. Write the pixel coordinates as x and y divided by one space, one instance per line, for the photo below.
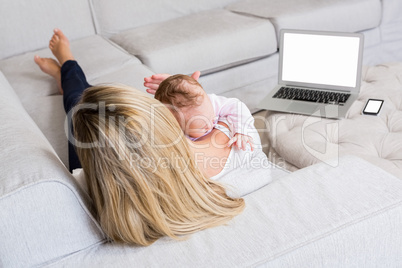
297 141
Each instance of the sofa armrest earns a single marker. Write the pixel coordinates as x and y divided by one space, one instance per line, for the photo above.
43 222
341 214
43 214
320 216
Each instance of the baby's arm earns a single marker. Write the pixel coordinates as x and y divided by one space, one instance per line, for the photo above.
240 119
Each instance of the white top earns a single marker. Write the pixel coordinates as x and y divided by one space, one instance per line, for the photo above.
234 112
246 171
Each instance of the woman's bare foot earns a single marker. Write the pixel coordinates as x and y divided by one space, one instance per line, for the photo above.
50 67
60 47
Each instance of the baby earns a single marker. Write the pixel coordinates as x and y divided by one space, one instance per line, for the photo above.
198 112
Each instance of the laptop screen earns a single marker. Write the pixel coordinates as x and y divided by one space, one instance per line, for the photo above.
322 59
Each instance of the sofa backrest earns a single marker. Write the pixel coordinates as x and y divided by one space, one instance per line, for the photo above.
25 25
43 213
112 17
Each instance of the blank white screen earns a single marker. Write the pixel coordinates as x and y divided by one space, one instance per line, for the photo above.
320 59
373 106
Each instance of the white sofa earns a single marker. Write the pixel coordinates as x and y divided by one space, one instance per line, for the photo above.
232 42
348 215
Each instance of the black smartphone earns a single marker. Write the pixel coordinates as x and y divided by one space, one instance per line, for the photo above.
373 106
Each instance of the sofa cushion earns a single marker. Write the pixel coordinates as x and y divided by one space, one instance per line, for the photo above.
206 41
26 25
44 215
326 15
96 55
112 17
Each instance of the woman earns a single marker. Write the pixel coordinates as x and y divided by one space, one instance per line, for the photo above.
142 174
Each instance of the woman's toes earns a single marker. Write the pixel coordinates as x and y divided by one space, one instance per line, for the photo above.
60 35
47 65
38 60
55 39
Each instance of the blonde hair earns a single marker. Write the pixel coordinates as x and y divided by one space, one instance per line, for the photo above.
138 203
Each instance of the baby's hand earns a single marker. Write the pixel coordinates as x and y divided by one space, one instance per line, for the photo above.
152 82
240 141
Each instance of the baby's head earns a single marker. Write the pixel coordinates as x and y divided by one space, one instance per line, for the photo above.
189 103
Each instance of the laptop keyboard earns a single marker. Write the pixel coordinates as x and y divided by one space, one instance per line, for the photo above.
309 95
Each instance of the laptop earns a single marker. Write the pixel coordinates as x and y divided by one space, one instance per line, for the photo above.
319 73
